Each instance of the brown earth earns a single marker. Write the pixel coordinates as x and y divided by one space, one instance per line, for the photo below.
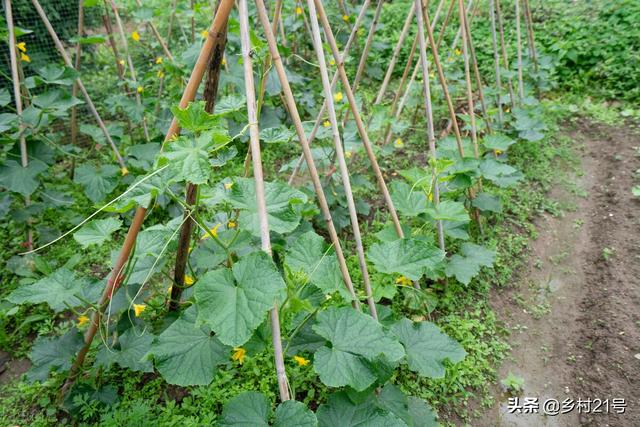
574 312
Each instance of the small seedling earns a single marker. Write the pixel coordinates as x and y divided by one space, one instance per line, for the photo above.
608 253
513 383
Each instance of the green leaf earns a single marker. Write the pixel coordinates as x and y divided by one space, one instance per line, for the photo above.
409 203
187 354
294 414
499 173
308 255
427 347
466 265
235 302
341 411
133 346
408 257
21 180
97 232
448 210
5 97
247 409
487 202
53 353
141 195
279 198
98 181
56 101
497 142
276 135
636 191
354 337
230 104
188 158
195 119
55 74
413 411
60 290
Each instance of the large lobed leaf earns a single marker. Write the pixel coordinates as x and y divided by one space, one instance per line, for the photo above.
252 409
408 257
466 264
235 302
53 353
97 232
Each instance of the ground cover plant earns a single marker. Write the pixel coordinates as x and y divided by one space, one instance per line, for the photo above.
280 214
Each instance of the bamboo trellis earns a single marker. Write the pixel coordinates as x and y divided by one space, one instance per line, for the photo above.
210 58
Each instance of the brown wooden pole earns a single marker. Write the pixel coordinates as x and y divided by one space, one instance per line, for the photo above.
503 48
74 91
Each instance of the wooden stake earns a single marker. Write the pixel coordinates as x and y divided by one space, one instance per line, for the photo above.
505 59
431 138
114 47
532 44
15 78
446 22
367 46
358 119
519 50
496 60
74 91
342 163
219 22
313 172
87 99
132 70
254 133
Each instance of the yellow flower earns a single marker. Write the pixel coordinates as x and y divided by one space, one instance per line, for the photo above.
224 62
458 52
204 34
188 280
228 185
301 361
231 224
449 59
135 36
507 110
498 152
160 74
124 171
82 320
337 97
345 18
432 74
213 230
431 197
138 309
332 62
298 10
140 89
24 57
403 281
348 154
398 143
238 354
159 60
22 46
326 123
121 62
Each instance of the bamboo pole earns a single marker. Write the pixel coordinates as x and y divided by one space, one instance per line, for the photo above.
304 143
445 23
182 252
132 70
467 75
157 35
334 80
87 99
15 78
342 163
519 50
219 22
254 133
457 36
367 45
114 47
428 110
396 53
530 34
476 71
74 90
496 60
505 59
358 119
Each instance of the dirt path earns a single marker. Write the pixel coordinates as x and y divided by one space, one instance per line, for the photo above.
574 314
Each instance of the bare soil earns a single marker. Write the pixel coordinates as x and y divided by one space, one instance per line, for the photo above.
574 313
